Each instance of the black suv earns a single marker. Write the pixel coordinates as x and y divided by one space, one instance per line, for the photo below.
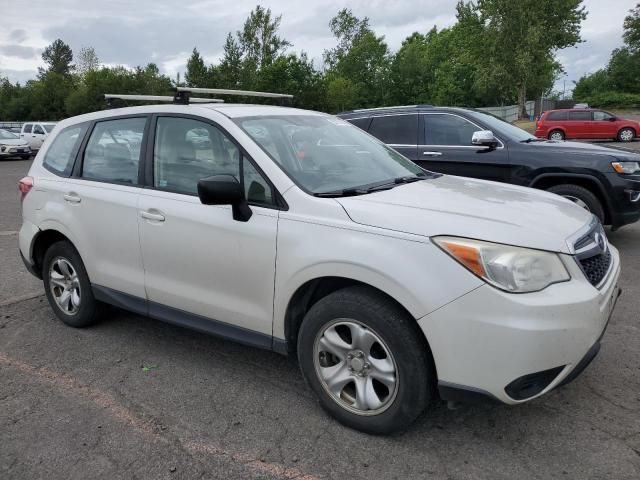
472 143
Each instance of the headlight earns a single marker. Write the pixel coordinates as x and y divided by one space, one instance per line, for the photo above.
626 167
513 269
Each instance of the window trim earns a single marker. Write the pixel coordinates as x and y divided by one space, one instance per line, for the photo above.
79 162
149 167
74 152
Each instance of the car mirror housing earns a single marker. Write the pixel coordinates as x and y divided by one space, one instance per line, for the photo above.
225 190
484 138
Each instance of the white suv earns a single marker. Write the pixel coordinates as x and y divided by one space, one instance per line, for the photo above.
294 231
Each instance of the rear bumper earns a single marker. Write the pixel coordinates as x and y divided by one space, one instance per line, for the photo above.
494 346
31 267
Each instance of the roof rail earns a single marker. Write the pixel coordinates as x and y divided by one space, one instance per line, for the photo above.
226 91
391 107
154 98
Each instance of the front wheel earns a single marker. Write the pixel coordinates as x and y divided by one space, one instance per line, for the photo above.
556 135
581 197
67 286
626 135
366 360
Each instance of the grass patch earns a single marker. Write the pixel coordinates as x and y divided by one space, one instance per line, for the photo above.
527 125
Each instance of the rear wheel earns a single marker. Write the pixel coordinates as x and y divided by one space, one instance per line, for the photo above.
581 197
556 135
366 360
67 286
626 135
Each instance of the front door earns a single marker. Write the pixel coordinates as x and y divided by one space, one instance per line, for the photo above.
603 125
445 147
197 258
37 137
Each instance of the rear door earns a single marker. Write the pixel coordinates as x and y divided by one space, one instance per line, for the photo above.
579 124
399 131
102 197
445 147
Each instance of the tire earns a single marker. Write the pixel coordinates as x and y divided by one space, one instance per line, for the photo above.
582 197
395 342
62 262
556 135
626 134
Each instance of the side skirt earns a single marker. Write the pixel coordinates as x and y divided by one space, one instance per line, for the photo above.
192 321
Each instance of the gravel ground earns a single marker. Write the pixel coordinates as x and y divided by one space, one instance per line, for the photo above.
134 398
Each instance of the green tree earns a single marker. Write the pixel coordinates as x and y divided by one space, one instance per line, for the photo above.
86 61
231 67
347 29
632 29
197 73
259 40
58 57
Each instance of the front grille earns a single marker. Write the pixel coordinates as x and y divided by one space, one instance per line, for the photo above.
596 267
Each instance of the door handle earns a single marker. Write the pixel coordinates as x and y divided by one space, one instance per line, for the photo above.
33 136
72 198
156 217
432 154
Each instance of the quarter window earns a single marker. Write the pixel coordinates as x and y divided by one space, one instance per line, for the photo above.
580 116
448 130
62 151
113 151
395 129
188 150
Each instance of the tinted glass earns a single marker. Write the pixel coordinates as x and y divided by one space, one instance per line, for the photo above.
324 154
395 129
113 151
362 123
37 129
581 116
602 116
62 151
448 130
557 116
188 150
27 128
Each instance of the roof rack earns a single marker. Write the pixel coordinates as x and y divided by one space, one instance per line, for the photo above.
226 91
109 97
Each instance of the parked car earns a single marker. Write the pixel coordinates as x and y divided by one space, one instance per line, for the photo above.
298 232
12 146
471 143
585 123
35 133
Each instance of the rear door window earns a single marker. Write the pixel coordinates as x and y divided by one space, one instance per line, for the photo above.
395 129
26 128
580 116
61 154
362 123
113 151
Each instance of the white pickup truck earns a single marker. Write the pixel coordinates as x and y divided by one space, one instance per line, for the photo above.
35 133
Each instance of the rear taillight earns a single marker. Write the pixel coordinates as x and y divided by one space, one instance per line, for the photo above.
25 185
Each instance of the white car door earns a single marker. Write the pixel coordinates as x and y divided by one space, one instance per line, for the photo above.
202 266
103 196
25 134
37 136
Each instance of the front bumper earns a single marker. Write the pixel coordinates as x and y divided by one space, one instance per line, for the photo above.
624 198
487 340
15 151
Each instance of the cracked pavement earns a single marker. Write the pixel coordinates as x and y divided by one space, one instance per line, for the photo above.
77 404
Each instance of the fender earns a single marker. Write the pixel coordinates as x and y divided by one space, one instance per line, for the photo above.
590 178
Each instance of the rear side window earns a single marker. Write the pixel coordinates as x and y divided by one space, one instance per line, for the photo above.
362 123
396 129
556 116
113 151
580 116
27 128
448 130
62 152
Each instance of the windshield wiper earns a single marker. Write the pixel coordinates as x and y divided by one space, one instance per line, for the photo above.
352 192
533 139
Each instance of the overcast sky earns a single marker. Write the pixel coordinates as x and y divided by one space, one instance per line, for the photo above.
137 32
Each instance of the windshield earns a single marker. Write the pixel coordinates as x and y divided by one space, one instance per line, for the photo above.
48 126
505 129
5 135
326 154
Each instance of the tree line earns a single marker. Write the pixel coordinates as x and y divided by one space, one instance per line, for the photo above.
618 84
497 52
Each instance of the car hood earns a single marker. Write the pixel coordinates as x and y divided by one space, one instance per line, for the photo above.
18 142
579 148
471 208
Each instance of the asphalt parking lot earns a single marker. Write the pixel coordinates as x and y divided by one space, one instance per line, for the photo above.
135 398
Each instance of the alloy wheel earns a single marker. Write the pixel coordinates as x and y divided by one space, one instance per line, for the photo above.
355 367
65 285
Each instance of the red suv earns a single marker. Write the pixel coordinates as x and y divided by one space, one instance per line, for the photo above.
585 123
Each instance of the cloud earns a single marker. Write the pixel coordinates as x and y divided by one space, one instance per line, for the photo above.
19 51
18 35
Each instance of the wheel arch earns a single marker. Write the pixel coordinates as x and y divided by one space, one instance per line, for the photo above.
41 242
631 127
559 128
548 180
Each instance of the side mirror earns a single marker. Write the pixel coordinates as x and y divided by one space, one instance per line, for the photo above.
613 119
225 190
484 138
